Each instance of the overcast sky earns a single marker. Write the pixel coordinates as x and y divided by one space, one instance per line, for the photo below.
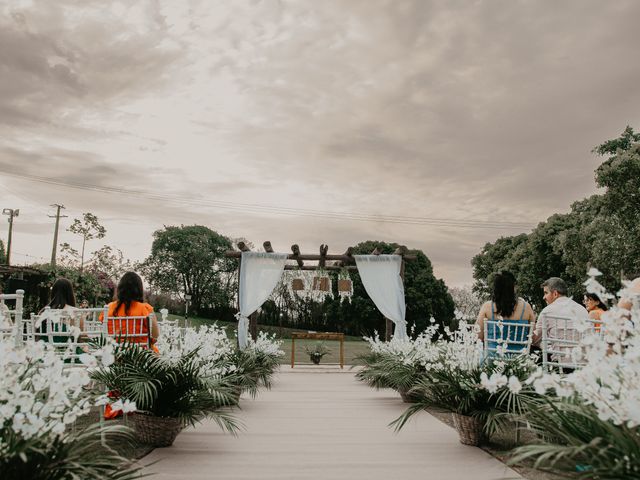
476 118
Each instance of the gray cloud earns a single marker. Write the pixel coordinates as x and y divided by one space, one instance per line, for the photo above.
483 111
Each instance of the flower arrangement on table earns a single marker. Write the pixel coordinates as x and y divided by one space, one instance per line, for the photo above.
317 351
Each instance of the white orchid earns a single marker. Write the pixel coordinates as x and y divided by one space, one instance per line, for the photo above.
610 380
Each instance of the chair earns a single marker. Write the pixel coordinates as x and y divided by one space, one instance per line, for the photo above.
128 330
69 331
11 321
561 342
507 337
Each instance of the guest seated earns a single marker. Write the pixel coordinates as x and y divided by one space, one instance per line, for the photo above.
130 303
561 316
595 307
507 306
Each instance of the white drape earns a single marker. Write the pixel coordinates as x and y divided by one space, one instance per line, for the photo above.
259 275
380 276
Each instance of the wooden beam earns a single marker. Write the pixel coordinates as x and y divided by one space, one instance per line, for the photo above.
316 257
351 268
267 247
243 247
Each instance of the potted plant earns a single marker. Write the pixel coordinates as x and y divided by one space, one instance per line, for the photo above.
169 393
316 352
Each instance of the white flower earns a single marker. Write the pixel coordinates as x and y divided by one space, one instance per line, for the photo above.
88 360
594 272
514 385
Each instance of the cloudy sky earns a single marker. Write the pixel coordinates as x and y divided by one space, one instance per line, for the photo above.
309 121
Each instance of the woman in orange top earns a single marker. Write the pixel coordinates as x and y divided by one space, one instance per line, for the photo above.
595 307
130 303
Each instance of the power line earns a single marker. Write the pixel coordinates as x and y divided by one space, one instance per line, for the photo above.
254 208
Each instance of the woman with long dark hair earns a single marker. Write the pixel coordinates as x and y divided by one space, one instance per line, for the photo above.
595 307
130 303
505 305
62 295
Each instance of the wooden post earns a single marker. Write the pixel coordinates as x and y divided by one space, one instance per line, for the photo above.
293 350
253 325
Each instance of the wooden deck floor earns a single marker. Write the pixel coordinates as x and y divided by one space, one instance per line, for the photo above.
324 426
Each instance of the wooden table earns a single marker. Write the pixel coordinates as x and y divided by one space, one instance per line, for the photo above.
317 336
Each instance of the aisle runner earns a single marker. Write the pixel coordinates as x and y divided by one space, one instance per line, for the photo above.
324 426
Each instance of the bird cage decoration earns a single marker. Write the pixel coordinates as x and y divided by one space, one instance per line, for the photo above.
345 285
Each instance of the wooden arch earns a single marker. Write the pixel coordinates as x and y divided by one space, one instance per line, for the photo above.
344 260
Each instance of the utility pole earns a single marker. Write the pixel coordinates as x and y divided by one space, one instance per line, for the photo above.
55 234
12 213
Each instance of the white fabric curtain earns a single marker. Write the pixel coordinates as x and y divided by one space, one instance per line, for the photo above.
259 275
380 275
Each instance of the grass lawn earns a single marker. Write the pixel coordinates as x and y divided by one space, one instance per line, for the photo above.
353 346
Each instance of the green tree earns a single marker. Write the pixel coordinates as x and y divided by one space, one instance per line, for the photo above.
600 231
190 260
88 228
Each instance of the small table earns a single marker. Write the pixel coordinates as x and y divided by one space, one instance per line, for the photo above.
317 336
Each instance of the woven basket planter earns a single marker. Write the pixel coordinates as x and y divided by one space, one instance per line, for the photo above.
156 431
344 285
407 397
469 429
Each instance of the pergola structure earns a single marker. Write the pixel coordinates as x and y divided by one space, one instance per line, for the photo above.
341 261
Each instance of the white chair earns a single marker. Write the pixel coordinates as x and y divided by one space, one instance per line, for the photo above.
507 337
69 331
11 321
561 342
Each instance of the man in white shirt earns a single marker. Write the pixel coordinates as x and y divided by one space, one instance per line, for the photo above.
560 316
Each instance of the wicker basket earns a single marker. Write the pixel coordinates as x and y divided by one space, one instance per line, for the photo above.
344 285
469 429
407 397
156 431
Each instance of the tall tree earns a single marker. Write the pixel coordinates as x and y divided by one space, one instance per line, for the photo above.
88 228
600 231
189 260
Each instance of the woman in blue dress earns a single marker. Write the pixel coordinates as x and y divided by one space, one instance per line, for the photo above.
505 306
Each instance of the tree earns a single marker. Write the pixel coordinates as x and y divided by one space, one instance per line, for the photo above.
88 228
467 302
600 231
3 253
189 260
